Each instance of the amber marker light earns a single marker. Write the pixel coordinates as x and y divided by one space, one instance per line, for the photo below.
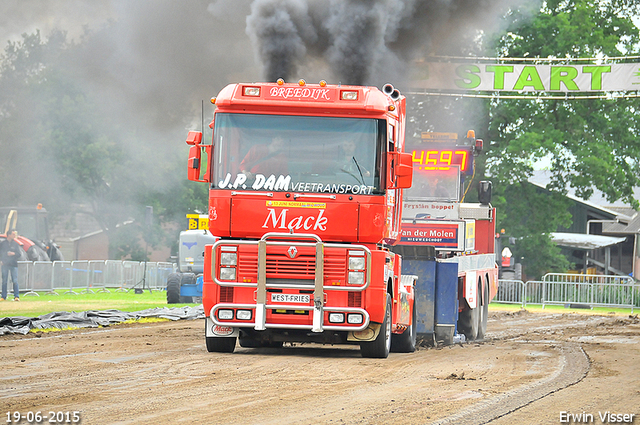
213 100
392 108
323 83
302 82
280 81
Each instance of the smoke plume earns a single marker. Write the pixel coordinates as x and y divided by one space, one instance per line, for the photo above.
366 41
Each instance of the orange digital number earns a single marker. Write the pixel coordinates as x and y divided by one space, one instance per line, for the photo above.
445 158
431 162
463 162
419 160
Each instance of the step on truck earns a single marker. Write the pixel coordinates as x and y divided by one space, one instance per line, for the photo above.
305 196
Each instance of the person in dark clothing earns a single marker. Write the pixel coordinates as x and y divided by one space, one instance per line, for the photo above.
9 256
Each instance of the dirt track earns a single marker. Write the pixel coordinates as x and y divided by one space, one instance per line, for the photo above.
531 368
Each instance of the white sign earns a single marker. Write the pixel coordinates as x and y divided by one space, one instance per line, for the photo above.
528 78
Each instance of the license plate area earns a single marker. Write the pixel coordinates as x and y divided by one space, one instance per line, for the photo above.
278 298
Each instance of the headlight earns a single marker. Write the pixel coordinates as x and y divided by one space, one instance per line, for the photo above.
354 319
228 273
225 314
336 317
356 263
243 314
228 258
356 278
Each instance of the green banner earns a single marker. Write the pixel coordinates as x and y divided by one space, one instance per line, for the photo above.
528 78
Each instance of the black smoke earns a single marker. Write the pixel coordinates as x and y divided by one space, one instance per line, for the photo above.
367 41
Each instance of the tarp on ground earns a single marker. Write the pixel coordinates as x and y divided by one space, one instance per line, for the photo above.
93 319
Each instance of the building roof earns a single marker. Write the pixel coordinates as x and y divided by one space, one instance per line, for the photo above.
628 218
584 241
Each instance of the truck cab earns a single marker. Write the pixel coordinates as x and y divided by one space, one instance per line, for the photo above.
305 196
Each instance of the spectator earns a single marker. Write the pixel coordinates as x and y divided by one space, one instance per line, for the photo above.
9 256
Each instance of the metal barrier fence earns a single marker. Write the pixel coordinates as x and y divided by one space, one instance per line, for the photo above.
82 276
561 288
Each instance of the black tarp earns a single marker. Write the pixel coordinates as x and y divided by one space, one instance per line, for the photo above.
93 319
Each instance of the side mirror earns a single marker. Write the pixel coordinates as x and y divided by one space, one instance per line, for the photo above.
403 170
484 192
194 138
193 166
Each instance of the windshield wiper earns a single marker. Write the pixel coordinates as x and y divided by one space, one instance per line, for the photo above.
359 170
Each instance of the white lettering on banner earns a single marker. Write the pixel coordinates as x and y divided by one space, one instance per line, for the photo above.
300 93
283 183
528 78
261 182
296 223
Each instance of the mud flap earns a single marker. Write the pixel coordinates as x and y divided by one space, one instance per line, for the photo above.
214 330
370 333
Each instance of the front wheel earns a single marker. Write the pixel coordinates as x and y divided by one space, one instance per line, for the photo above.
380 347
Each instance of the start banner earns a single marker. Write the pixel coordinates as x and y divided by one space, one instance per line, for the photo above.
528 78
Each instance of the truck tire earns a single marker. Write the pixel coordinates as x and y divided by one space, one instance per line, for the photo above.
173 288
484 313
406 341
219 344
380 347
468 323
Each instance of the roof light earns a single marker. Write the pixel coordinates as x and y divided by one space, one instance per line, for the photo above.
471 134
391 108
349 95
213 100
323 83
280 81
251 91
301 82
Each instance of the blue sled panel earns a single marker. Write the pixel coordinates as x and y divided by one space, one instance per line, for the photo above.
425 292
190 290
446 294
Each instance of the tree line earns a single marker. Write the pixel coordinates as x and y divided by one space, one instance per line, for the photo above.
61 144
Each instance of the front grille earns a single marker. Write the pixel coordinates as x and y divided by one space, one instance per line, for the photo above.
226 294
280 266
355 299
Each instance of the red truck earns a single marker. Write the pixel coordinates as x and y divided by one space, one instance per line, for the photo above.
305 195
306 198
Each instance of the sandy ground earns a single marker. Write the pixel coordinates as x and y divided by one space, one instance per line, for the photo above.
533 368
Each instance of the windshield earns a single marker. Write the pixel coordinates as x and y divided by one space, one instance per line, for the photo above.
300 154
434 185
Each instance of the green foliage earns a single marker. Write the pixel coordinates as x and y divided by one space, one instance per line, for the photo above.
589 144
63 146
523 207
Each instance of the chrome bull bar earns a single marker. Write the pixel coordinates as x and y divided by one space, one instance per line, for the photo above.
318 308
359 327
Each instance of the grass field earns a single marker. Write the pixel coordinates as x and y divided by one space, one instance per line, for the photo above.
34 306
561 309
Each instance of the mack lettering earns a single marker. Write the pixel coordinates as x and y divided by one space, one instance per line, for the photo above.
279 221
